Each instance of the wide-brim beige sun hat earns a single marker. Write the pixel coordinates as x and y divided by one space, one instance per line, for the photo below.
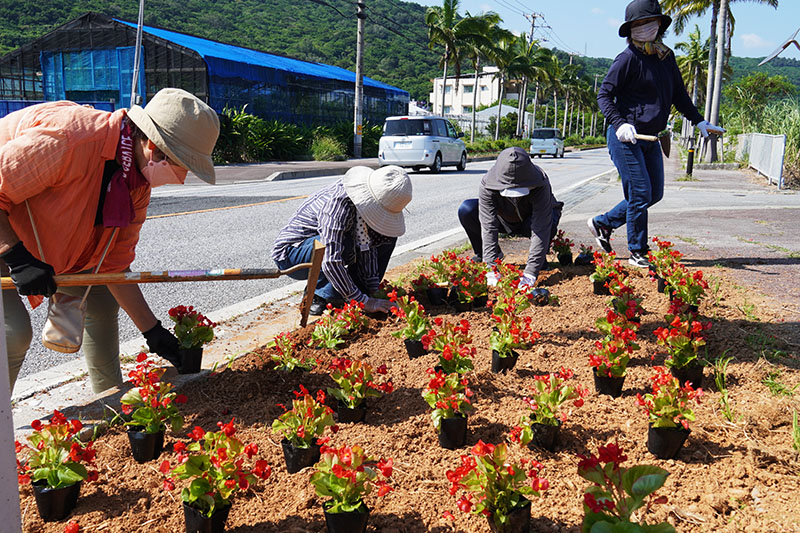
183 127
380 197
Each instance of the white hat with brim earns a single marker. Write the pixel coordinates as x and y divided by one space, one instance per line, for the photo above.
183 127
380 197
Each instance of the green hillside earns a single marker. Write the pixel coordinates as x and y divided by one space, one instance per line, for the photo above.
396 37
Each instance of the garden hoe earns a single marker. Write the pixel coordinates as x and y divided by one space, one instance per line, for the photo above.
664 139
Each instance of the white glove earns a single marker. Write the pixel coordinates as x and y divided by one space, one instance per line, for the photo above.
526 280
626 133
492 278
377 305
706 127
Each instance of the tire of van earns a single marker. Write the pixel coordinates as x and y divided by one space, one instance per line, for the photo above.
462 164
562 154
436 167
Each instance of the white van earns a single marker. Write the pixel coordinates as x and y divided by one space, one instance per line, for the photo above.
418 142
547 141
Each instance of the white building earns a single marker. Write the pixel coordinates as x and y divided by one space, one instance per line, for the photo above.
459 102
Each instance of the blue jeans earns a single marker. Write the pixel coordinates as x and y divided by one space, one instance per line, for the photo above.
302 254
468 216
641 168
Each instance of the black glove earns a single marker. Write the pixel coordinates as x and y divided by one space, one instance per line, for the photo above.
31 276
163 343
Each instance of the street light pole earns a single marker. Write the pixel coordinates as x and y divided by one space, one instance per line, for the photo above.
359 96
137 56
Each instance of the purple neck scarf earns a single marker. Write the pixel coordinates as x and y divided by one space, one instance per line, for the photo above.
118 210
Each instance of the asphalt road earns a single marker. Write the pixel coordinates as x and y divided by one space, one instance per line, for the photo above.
234 226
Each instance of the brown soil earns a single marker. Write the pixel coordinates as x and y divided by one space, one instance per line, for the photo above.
738 476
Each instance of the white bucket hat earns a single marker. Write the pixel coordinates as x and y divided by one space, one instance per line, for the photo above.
183 127
380 196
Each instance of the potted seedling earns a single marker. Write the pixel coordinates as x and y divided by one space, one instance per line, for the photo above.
417 325
686 288
150 406
355 384
285 355
604 265
669 412
562 247
496 487
511 332
52 462
549 393
625 303
346 475
437 282
611 356
450 398
193 330
683 340
301 427
662 261
216 467
454 344
584 256
335 324
469 285
617 493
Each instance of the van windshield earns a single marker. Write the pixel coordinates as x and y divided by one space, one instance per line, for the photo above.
544 134
407 127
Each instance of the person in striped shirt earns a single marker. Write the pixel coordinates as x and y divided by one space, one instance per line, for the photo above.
358 219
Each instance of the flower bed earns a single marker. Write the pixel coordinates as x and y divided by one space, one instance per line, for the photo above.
728 477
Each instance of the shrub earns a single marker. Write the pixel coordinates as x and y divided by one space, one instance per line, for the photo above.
327 148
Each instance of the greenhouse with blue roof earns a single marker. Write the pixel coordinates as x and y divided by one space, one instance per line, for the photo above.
90 60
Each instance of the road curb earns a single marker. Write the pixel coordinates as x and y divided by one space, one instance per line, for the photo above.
311 173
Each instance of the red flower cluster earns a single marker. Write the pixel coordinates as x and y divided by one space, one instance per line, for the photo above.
152 403
54 451
355 381
613 352
668 405
454 344
346 474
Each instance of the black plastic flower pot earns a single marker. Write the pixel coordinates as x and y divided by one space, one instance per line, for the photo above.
610 386
502 364
299 458
599 288
691 373
540 296
191 359
55 504
145 446
665 443
545 436
661 284
519 520
453 432
414 348
480 301
583 259
350 414
437 295
197 522
348 522
565 259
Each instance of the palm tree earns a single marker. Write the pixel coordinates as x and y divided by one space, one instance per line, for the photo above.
534 60
693 66
476 50
455 34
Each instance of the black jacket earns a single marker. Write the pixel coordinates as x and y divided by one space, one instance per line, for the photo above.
641 89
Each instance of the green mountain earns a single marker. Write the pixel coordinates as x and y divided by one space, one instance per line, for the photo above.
396 49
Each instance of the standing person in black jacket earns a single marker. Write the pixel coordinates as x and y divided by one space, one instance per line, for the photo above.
641 86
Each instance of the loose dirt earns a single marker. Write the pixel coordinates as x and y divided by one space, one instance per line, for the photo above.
730 476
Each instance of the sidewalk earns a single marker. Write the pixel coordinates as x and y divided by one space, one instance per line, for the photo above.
726 218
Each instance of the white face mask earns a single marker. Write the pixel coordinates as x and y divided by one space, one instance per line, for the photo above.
160 173
646 33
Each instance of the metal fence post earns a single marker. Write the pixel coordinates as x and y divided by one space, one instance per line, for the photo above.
9 493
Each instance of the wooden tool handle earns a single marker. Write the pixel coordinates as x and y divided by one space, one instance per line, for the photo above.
651 138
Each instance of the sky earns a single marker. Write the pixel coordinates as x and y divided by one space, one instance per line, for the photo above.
590 26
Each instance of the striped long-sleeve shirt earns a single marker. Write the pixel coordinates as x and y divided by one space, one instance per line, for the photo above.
330 214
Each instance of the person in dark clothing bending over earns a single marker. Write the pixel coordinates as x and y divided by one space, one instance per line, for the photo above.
514 197
641 86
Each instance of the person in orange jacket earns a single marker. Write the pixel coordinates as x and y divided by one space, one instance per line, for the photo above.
69 176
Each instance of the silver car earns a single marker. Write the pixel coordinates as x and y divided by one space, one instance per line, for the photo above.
418 142
547 141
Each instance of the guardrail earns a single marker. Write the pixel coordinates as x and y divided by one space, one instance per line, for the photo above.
764 153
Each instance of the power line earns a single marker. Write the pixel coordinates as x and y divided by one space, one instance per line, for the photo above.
388 28
507 5
323 3
399 4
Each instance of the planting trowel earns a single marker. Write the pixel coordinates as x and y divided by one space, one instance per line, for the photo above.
665 139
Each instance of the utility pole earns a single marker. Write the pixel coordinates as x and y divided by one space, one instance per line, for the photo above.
722 27
359 96
137 57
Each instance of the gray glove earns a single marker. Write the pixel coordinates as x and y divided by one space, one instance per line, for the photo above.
377 305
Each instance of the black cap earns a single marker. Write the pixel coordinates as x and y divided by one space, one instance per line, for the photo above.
643 9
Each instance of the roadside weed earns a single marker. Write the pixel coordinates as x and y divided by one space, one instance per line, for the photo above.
720 374
795 432
777 388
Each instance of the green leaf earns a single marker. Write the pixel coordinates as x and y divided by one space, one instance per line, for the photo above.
642 480
71 473
658 528
199 487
